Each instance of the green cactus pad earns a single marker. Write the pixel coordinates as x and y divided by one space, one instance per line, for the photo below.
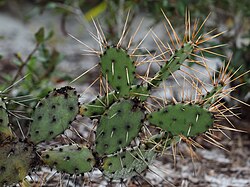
5 130
15 162
118 68
180 119
72 159
173 64
54 114
98 106
127 164
119 125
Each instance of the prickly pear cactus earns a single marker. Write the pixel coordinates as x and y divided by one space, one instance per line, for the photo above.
118 69
127 164
54 114
131 124
16 160
118 126
5 130
71 159
182 119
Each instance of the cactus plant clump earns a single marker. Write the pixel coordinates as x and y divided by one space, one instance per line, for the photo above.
170 122
131 125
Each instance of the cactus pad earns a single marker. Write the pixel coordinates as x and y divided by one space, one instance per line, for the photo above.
127 164
15 162
72 159
5 130
119 125
173 64
118 69
53 114
98 106
180 119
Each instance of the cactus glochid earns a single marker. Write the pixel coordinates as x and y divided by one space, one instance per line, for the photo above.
131 125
